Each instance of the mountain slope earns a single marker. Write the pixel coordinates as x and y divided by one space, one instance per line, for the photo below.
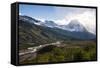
74 25
30 32
50 24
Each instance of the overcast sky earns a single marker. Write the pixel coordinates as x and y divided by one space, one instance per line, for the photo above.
61 15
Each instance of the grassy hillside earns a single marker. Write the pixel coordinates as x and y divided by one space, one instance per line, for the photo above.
72 51
74 46
31 33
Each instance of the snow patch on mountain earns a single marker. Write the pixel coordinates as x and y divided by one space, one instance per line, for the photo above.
50 24
73 25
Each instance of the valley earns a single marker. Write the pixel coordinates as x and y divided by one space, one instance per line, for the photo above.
63 51
45 42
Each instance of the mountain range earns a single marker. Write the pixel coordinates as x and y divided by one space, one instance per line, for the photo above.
33 30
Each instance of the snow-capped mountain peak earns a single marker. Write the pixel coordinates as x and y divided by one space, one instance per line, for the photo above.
27 18
30 20
50 24
74 25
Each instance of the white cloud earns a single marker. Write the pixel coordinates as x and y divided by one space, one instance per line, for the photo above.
86 16
61 22
88 19
20 13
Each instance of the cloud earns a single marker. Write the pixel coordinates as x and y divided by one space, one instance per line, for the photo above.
20 13
61 22
88 19
86 16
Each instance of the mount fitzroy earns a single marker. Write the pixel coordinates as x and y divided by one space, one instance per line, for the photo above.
36 31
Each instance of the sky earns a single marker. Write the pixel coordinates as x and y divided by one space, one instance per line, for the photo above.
61 15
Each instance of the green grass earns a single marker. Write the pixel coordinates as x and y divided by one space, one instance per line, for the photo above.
73 51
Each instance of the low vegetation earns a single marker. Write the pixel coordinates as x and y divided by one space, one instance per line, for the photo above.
72 51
